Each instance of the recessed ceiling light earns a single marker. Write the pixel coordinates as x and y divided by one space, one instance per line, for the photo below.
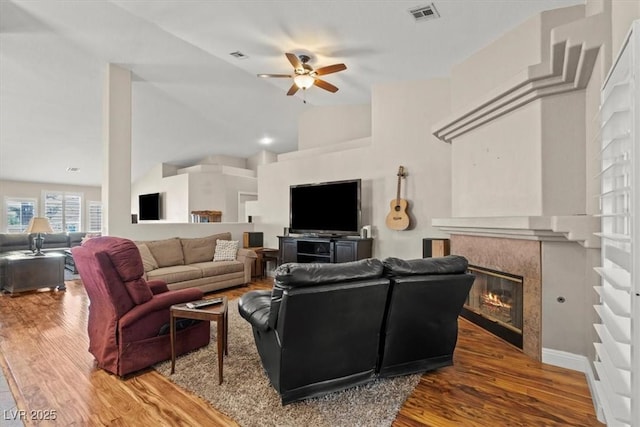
72 169
266 140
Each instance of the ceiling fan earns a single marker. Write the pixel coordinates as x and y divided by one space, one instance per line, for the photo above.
304 76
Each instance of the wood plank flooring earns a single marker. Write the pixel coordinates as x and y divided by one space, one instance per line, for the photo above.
43 342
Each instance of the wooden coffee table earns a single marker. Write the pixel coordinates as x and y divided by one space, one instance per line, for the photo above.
217 313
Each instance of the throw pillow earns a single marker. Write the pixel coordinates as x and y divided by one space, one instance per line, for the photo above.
201 249
226 250
148 261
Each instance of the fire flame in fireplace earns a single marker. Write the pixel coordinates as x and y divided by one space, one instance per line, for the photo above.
494 300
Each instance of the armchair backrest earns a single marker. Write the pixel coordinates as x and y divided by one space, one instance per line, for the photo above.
421 325
300 275
112 272
328 320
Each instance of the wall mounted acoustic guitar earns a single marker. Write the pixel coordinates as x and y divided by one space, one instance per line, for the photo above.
397 219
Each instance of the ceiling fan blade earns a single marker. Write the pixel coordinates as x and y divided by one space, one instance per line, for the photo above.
292 90
274 75
325 85
330 69
294 61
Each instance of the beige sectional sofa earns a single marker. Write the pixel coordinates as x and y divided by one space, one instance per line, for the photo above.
188 262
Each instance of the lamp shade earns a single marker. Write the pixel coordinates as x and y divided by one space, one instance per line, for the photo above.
304 81
39 224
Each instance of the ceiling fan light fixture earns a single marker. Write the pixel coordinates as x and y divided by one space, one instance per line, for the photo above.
303 81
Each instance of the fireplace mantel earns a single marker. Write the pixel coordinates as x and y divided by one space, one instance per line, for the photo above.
582 229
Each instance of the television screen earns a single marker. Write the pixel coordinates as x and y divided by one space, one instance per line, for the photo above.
325 208
149 206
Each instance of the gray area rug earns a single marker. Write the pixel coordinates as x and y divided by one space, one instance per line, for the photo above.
247 396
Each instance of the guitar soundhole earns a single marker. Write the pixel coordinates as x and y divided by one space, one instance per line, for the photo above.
397 208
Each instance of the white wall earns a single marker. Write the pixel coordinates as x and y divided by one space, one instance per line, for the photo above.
497 169
402 114
190 191
262 158
116 188
514 51
219 192
173 189
531 161
33 190
340 123
623 13
563 142
238 162
567 272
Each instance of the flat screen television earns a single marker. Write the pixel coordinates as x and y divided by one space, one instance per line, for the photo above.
149 206
326 208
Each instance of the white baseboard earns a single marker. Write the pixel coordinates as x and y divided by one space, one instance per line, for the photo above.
576 362
563 359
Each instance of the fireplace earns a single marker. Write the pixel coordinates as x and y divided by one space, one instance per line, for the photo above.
522 259
495 303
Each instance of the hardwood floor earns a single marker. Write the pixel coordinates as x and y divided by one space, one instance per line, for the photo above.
44 343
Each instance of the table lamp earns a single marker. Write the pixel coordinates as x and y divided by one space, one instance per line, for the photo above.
39 225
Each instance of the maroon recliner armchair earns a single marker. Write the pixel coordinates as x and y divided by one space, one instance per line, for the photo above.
128 316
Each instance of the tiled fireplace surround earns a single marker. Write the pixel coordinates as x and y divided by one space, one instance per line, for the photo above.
518 257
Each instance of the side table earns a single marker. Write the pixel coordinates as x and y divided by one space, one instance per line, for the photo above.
217 313
27 272
264 256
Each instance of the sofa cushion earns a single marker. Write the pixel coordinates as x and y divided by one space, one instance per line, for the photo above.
75 238
450 264
148 261
200 249
226 250
176 273
217 268
14 242
167 252
53 240
297 274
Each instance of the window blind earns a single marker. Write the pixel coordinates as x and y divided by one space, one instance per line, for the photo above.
617 361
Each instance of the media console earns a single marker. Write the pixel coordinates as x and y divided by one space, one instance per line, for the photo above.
323 249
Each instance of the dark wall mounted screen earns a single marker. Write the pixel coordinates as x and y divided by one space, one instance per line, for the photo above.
325 208
149 206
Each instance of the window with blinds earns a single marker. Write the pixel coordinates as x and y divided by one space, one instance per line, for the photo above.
94 213
18 213
64 210
616 354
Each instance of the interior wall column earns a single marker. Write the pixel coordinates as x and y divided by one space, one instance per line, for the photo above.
116 179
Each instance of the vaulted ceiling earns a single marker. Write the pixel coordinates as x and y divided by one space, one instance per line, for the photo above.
191 98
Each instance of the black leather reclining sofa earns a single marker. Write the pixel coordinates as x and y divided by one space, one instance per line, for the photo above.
327 327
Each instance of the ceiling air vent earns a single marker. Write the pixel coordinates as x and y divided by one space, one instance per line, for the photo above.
424 13
238 55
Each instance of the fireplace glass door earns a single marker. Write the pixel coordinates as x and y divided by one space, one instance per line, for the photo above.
495 303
